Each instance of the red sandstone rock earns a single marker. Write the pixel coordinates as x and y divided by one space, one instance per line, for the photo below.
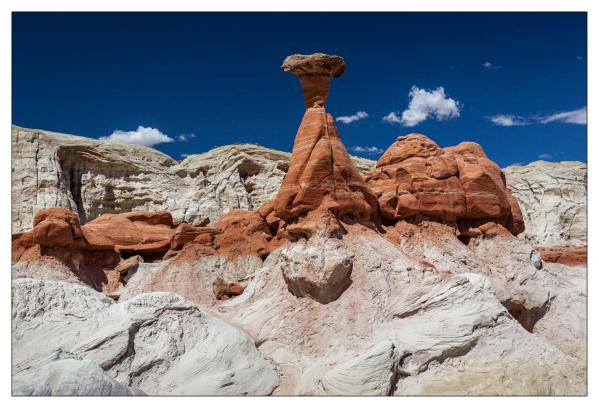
57 227
243 232
320 166
314 73
186 233
571 256
456 185
92 252
135 232
236 289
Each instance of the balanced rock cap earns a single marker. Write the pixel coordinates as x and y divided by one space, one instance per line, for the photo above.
314 64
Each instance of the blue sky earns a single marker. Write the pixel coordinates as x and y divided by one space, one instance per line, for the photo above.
513 82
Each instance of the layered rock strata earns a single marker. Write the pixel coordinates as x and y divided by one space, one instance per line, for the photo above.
103 253
321 174
415 179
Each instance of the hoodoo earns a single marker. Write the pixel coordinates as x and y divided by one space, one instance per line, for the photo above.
321 174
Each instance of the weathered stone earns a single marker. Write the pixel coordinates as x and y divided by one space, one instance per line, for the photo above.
457 185
157 343
320 272
93 177
571 256
553 198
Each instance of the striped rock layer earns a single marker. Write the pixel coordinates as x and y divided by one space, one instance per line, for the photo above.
321 173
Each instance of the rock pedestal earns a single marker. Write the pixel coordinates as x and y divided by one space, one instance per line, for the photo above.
320 171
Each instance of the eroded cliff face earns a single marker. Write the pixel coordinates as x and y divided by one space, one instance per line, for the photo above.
93 177
553 198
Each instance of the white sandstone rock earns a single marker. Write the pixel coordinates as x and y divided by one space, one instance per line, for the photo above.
321 271
69 377
553 200
157 343
400 328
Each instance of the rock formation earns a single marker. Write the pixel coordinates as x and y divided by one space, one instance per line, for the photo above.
102 253
572 256
410 281
157 343
553 198
416 179
93 177
321 172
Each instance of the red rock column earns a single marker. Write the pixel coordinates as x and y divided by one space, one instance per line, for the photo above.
321 172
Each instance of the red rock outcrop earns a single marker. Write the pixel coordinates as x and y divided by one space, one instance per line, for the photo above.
416 179
138 232
565 255
321 173
97 252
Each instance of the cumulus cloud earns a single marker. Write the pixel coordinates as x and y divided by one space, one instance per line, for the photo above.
424 104
575 117
145 136
508 120
352 118
490 65
545 156
370 150
184 137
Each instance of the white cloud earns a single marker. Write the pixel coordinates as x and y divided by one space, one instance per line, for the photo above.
367 149
352 118
392 118
424 104
578 57
184 155
545 156
184 137
508 120
145 136
489 65
575 117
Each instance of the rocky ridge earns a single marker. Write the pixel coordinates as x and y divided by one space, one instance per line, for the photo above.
94 177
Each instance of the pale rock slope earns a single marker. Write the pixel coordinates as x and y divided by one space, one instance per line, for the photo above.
156 344
94 177
553 199
430 316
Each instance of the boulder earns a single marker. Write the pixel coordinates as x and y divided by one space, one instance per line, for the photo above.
137 232
321 272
